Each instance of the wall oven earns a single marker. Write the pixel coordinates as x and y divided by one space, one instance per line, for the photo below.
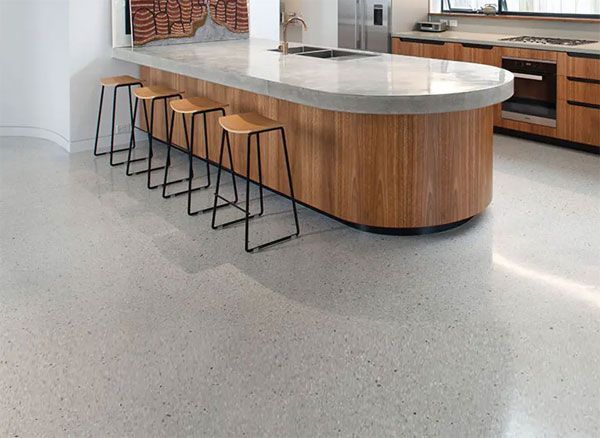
534 100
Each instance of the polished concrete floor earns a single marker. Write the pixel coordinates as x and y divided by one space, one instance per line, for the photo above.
122 316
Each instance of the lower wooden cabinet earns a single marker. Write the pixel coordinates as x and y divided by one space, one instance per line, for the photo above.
580 122
423 49
478 53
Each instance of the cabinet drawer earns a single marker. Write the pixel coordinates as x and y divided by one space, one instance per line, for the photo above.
542 55
582 66
581 123
479 54
586 90
423 48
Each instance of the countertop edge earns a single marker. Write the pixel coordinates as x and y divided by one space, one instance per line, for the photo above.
350 103
439 36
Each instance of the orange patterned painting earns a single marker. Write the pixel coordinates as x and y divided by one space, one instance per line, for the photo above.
154 20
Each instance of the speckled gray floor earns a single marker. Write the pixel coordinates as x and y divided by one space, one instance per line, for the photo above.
122 316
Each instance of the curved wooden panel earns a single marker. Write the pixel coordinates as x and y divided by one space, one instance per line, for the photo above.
386 171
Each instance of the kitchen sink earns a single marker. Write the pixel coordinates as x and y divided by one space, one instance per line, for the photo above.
301 49
328 54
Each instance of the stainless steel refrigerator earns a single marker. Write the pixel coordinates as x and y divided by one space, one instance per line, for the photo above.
364 24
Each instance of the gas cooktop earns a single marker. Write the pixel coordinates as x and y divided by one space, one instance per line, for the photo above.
549 41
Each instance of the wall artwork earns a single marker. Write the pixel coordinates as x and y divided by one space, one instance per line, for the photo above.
161 22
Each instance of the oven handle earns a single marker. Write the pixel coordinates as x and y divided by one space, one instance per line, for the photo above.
528 76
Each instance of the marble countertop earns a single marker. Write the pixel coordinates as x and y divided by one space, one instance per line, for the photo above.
383 84
495 39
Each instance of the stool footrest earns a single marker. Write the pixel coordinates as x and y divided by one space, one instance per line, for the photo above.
185 192
139 172
274 242
100 154
228 203
207 210
125 162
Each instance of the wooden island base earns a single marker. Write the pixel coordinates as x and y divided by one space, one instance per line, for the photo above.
402 174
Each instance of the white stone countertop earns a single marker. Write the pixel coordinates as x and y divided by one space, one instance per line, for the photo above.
383 84
496 40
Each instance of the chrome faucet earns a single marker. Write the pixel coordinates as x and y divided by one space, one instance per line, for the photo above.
284 46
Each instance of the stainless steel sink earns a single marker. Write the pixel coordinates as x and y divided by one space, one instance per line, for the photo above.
327 54
301 49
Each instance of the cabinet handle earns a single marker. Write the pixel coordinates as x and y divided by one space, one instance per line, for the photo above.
414 40
477 46
584 80
583 104
528 76
583 55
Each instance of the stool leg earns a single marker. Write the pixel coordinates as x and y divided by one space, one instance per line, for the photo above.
98 125
235 190
132 138
289 172
112 150
214 209
260 180
224 137
293 198
206 149
168 160
190 169
247 215
112 126
150 126
131 114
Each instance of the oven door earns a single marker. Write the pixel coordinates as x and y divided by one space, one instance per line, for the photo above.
534 100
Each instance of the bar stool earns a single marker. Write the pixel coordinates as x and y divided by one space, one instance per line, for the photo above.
152 94
114 82
193 106
252 124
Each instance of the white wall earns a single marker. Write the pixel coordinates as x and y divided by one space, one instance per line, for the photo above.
53 53
526 27
34 73
264 19
90 51
321 18
405 13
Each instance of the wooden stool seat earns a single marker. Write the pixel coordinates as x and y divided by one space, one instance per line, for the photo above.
119 81
154 92
196 105
248 123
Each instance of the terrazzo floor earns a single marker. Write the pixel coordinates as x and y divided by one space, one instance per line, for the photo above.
122 316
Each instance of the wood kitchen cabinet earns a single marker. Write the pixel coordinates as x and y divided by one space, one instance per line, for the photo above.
579 98
423 49
478 53
578 84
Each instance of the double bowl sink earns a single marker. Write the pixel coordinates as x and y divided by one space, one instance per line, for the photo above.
319 52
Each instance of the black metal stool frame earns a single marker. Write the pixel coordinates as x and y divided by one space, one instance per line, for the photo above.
247 215
190 150
150 131
112 150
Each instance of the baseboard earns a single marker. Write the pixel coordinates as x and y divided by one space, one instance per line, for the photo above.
104 142
32 131
549 140
69 146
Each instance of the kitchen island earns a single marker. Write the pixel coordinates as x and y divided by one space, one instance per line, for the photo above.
384 143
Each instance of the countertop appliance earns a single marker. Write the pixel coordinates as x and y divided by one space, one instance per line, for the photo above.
365 25
551 41
432 26
534 99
